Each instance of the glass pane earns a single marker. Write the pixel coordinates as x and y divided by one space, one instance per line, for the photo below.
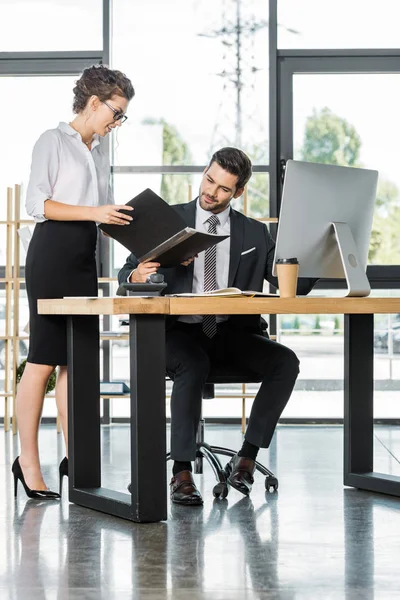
257 196
21 133
50 25
338 24
201 86
318 342
22 332
348 119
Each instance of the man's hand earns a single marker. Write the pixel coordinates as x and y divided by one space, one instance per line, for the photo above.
187 262
142 271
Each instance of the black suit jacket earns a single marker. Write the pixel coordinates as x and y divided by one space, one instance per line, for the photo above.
246 272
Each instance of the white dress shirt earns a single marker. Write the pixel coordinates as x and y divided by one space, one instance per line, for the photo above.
64 170
223 255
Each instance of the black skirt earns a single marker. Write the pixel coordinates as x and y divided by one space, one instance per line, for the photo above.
60 262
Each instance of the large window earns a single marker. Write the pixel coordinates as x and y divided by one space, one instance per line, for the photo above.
201 81
318 341
201 75
200 70
50 25
27 102
44 45
338 24
204 75
347 119
335 107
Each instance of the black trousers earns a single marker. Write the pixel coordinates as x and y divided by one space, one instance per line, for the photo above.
190 355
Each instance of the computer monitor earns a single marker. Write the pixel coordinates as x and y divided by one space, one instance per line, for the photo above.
325 221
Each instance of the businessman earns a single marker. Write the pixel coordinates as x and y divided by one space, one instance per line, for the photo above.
194 343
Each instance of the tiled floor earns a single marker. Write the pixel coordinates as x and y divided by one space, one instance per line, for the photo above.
313 539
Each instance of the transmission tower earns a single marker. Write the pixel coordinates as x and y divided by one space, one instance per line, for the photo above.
238 104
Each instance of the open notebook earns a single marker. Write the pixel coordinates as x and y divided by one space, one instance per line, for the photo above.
231 292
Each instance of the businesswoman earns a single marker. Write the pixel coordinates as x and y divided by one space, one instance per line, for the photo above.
68 192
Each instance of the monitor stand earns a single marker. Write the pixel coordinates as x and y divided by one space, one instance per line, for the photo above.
357 280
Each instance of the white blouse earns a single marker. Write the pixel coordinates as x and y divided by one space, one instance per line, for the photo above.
64 170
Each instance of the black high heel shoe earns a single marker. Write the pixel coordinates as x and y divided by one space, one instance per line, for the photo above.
18 474
63 470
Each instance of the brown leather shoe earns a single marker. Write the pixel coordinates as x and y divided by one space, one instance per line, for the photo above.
239 471
184 490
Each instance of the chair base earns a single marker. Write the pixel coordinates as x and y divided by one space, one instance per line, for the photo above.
221 489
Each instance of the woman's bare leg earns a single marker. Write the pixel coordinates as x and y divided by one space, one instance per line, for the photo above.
62 399
29 406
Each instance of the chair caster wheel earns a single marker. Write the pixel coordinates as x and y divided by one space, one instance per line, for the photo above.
271 482
220 491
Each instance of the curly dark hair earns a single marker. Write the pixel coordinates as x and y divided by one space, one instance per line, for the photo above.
234 161
102 82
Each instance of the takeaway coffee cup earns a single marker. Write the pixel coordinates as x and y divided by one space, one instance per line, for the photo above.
287 270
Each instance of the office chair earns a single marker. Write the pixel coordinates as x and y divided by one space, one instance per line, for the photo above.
224 375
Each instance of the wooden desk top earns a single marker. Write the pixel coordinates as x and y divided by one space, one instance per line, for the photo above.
219 306
114 305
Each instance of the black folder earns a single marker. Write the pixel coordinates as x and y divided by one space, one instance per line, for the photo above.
158 233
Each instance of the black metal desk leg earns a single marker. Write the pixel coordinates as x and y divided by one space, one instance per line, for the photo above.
358 395
84 464
358 409
148 445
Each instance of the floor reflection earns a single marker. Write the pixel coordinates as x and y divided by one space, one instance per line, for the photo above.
313 539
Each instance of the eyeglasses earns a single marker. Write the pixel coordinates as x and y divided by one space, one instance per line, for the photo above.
118 115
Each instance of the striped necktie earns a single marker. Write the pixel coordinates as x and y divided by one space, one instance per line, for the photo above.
210 277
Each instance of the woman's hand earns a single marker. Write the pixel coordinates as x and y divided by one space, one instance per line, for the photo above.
110 215
142 271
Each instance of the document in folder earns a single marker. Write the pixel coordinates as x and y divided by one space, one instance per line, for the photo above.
231 292
158 233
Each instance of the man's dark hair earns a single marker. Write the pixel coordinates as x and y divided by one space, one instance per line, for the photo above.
100 81
234 161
